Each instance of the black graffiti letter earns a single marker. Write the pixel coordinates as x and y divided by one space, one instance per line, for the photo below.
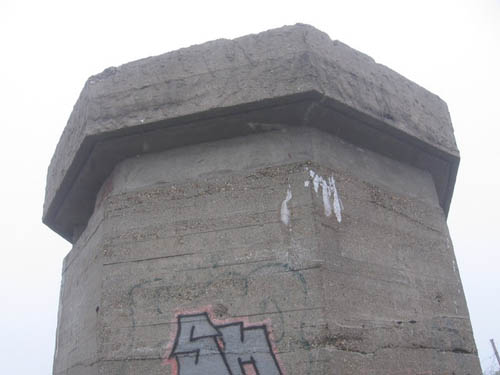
248 346
196 349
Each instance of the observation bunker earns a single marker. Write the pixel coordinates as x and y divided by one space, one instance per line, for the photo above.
272 204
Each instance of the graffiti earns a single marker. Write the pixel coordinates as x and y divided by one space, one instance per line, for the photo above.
331 198
202 347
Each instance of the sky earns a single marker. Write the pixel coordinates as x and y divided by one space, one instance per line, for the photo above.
49 48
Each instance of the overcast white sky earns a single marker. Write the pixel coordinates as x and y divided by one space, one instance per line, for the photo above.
49 48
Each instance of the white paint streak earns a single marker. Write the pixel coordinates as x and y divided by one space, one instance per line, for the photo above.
285 212
316 181
306 183
331 199
326 197
337 203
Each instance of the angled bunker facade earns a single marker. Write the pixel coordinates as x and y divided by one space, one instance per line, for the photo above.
273 204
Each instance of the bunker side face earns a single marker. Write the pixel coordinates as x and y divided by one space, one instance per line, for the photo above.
293 75
275 204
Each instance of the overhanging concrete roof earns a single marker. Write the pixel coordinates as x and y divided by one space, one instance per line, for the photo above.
293 75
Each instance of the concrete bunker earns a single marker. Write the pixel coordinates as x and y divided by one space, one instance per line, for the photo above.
279 180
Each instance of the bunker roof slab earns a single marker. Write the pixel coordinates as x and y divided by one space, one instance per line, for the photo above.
294 76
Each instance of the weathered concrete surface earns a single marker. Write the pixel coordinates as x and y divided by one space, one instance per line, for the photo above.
293 75
377 292
304 209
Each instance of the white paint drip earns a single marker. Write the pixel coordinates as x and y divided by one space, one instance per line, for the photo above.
337 203
316 180
326 197
331 199
285 212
